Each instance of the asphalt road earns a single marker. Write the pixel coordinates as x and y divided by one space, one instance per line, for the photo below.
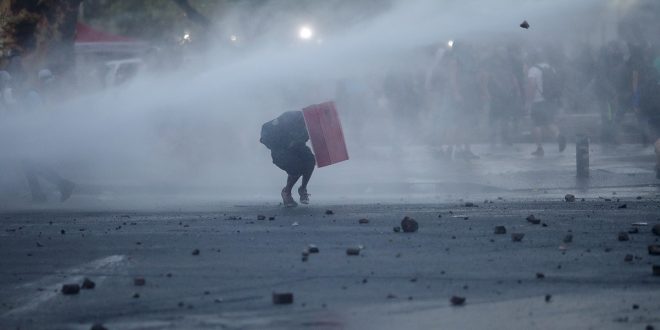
399 280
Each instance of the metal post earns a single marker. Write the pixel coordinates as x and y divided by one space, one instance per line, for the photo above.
582 156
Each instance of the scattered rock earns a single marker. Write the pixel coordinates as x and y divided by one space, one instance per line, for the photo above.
397 229
285 298
62 232
39 244
623 236
540 276
363 221
261 217
98 326
533 220
656 230
295 224
517 237
69 289
548 298
569 198
88 284
633 230
409 225
139 281
136 295
271 218
525 26
391 296
313 248
656 270
568 239
500 230
195 252
649 327
457 301
635 306
654 250
329 212
623 206
628 258
470 204
353 251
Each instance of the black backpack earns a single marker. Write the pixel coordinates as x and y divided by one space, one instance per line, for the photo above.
552 83
284 130
272 136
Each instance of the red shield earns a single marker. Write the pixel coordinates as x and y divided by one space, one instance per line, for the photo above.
325 132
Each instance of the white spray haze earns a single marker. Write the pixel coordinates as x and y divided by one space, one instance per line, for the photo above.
183 130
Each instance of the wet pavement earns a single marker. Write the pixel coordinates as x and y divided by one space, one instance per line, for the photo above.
398 280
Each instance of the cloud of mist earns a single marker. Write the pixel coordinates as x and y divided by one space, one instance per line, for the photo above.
201 127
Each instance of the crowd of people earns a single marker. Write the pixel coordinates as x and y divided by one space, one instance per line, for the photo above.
484 91
20 93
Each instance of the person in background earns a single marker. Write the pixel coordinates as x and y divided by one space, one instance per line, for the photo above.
543 92
286 136
504 96
38 99
467 95
7 100
648 89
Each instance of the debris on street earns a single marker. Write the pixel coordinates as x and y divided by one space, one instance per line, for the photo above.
70 289
517 237
88 284
457 301
409 225
533 219
285 298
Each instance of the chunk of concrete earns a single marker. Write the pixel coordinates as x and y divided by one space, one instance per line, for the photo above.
70 289
282 298
457 301
409 225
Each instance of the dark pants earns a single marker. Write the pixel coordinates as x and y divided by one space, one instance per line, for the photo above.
544 113
295 161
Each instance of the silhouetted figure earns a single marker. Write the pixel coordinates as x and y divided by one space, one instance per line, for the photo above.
286 137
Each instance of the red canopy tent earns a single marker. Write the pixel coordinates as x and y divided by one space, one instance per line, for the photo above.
90 40
85 33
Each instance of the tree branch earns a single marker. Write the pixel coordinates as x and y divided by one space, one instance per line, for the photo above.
193 14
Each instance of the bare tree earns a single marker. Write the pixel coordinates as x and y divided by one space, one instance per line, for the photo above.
42 32
193 14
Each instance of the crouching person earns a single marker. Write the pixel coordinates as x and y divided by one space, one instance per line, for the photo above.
286 137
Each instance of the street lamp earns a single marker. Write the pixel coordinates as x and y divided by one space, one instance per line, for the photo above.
305 33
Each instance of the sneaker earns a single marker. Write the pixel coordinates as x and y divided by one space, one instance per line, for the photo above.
539 152
66 189
287 199
304 196
561 141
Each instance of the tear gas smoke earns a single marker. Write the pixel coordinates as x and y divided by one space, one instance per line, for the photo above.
200 128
